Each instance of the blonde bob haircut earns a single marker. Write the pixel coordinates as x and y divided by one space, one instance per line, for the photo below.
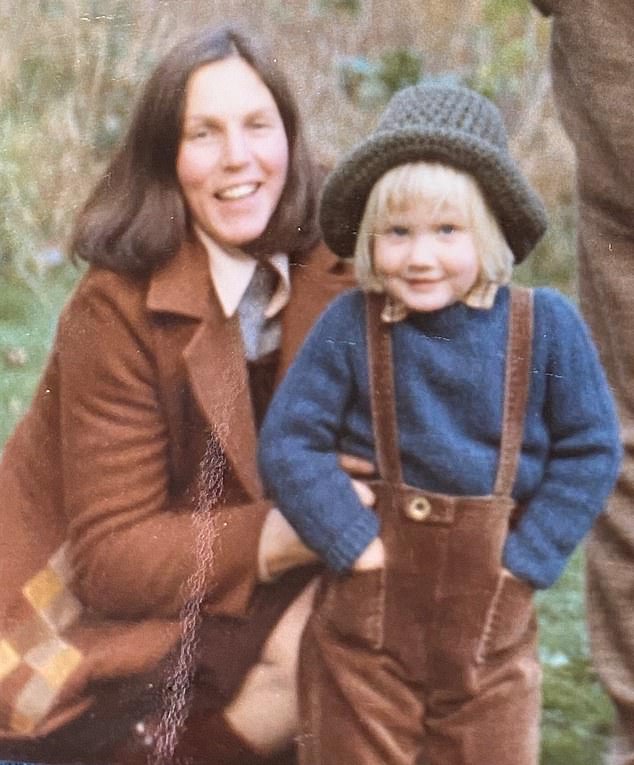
436 184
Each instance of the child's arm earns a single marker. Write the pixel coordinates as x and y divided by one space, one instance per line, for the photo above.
300 437
584 452
281 549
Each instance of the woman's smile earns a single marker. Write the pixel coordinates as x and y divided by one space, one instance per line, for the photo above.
241 191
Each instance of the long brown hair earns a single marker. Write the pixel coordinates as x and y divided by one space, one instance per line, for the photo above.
136 218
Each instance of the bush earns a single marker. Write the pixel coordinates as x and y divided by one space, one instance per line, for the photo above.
68 78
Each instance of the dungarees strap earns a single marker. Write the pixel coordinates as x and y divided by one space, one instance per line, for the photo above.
382 398
516 387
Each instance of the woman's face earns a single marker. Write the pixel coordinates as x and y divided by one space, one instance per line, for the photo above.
233 155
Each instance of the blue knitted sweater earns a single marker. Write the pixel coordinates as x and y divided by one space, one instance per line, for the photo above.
449 382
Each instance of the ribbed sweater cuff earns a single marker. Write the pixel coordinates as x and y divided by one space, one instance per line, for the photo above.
525 563
343 551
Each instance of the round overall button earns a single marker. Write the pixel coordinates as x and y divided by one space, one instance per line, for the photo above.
418 508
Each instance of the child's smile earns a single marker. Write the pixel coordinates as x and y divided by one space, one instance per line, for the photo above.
426 256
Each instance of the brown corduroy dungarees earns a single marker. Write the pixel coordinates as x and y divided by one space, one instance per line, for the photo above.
431 660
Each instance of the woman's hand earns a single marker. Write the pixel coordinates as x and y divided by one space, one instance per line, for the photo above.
280 547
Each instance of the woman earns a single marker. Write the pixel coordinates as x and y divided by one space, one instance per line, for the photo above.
172 341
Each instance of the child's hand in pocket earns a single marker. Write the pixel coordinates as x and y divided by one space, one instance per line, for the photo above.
359 469
372 557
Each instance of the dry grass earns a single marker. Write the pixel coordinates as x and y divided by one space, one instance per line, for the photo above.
69 70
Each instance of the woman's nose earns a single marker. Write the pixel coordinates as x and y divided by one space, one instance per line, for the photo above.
236 148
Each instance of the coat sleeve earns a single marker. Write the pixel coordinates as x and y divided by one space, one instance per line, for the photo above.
584 454
134 549
300 437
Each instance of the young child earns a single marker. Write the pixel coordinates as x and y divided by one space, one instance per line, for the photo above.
487 414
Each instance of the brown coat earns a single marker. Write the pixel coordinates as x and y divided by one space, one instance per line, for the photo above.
106 460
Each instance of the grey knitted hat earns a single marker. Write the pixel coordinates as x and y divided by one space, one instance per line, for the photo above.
448 124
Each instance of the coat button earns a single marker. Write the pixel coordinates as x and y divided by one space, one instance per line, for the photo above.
418 508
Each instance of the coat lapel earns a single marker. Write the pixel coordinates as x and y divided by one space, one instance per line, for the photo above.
222 391
214 358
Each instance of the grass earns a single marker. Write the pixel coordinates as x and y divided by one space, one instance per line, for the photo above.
576 716
28 315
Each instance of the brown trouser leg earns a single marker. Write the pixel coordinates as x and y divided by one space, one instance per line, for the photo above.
431 661
610 547
356 707
359 709
593 79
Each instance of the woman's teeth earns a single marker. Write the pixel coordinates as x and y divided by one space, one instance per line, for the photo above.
238 192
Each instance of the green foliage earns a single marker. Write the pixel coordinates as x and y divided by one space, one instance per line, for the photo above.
501 73
553 263
497 13
55 71
505 48
28 315
65 94
349 6
369 83
576 715
398 68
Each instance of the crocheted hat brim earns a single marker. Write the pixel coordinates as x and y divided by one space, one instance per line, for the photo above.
517 208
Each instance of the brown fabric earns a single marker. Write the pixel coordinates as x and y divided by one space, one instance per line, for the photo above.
229 646
207 739
262 374
593 80
382 387
516 387
434 658
106 460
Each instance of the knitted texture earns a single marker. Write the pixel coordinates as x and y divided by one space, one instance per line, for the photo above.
449 383
452 125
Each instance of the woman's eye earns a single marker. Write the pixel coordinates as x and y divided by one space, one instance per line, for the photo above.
259 123
197 133
446 229
200 131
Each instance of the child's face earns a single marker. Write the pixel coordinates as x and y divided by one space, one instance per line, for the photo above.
426 256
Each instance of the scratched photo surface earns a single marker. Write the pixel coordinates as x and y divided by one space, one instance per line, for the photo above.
71 72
